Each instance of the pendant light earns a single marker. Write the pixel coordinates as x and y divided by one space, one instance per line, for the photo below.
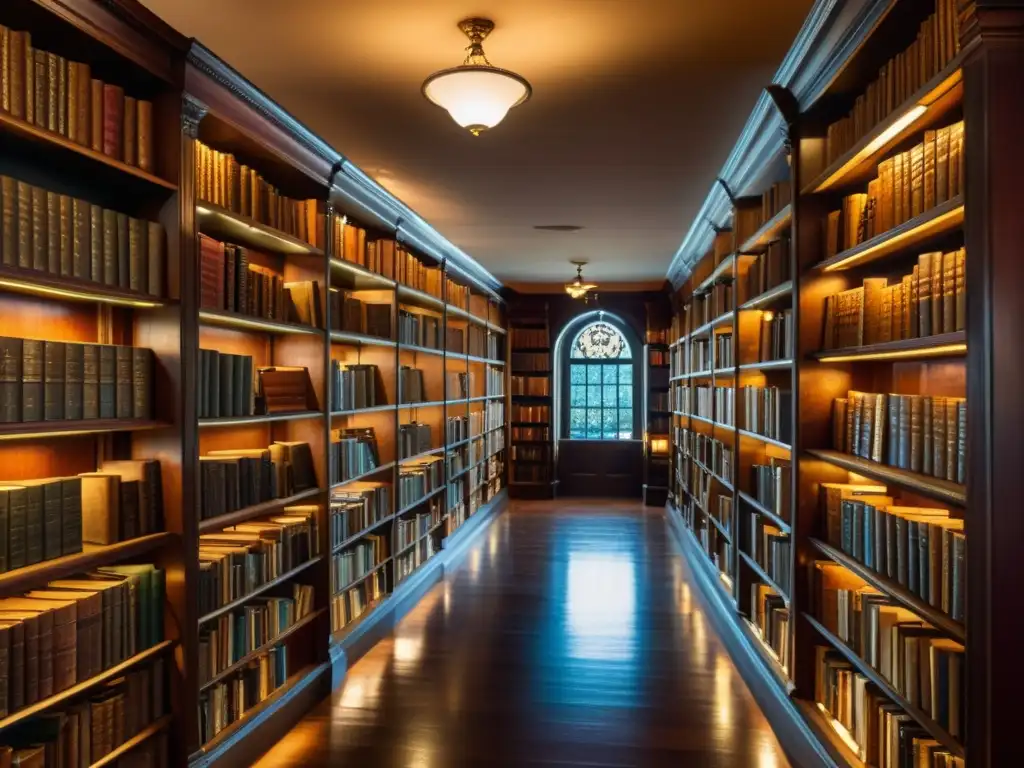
476 94
577 288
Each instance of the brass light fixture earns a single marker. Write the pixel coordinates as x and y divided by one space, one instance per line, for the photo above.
577 288
476 94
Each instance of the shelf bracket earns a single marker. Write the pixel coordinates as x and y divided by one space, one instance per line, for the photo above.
718 229
728 190
192 113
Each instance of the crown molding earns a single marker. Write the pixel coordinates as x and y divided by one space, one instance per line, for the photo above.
831 33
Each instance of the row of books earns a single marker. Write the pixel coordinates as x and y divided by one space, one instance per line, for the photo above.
419 329
223 181
769 547
772 486
73 629
716 403
531 414
411 386
357 561
528 385
418 478
357 507
747 220
529 453
919 663
908 184
711 304
530 473
237 478
776 338
494 441
712 453
62 97
66 381
353 603
408 562
534 362
414 438
225 385
529 337
884 734
937 42
657 357
701 356
767 411
411 529
231 637
771 620
715 545
923 549
531 434
228 700
491 417
921 433
49 518
355 386
235 562
68 237
456 429
483 343
85 730
658 401
496 381
351 244
768 269
412 272
723 350
458 385
353 453
929 301
349 313
455 462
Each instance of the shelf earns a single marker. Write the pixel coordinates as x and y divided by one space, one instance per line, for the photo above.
27 430
698 375
933 487
360 579
711 472
767 365
17 127
262 588
36 283
943 345
403 347
216 221
926 107
937 732
531 373
711 325
90 557
421 455
765 512
255 654
368 409
695 417
256 510
766 440
409 295
940 220
897 592
370 473
424 404
141 737
714 520
771 297
763 575
75 691
769 231
360 278
455 355
359 339
354 538
412 505
234 421
723 267
767 653
831 733
729 371
225 319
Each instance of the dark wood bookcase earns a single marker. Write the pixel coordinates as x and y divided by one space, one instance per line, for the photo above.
656 411
533 441
198 100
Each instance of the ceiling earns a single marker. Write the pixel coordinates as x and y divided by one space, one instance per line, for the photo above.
636 104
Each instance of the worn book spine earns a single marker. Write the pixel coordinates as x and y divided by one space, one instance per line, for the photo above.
96 120
84 119
62 95
74 376
10 379
29 71
40 229
109 247
33 524
81 240
8 221
960 290
24 218
942 165
52 76
129 132
928 180
113 121
123 397
961 444
53 224
15 55
138 258
952 438
90 381
39 88
938 436
144 135
949 292
96 243
936 269
53 380
71 107
52 527
66 223
142 383
123 250
107 381
924 294
32 380
155 248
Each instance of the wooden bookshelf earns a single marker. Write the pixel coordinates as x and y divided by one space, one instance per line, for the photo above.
532 473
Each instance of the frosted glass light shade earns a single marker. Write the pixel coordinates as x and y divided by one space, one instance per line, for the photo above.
477 97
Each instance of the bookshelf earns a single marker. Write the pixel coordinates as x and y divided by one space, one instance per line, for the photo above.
531 381
883 335
184 405
656 411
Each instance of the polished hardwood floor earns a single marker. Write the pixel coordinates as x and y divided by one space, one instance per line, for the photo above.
571 635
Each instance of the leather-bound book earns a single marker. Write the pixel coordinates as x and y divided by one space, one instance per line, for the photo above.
123 250
948 292
129 510
53 380
109 247
71 516
938 437
960 290
952 439
156 244
129 132
96 120
924 294
142 383
53 224
52 92
16 505
96 243
937 280
101 507
90 381
66 219
226 402
151 499
71 107
942 165
15 632
40 86
108 381
40 230
961 445
10 380
83 133
8 220
74 378
81 239
30 80
230 279
62 96
137 256
16 68
89 623
144 135
57 632
124 393
5 659
29 620
4 532
113 121
24 209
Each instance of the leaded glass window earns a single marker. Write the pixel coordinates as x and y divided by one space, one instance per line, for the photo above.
600 384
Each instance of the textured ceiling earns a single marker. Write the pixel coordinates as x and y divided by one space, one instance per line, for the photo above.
636 104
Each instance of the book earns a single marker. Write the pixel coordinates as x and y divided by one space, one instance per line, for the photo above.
113 121
924 294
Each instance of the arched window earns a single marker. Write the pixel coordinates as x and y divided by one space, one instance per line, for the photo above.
600 384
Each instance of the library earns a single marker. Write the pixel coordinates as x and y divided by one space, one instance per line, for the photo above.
562 385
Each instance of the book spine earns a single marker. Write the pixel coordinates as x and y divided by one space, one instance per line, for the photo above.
123 250
155 248
10 379
129 131
144 136
53 233
142 383
107 382
124 395
110 247
96 243
960 290
90 381
24 218
113 121
66 225
40 229
53 380
74 377
96 121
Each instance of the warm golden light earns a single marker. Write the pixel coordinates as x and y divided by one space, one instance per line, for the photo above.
659 445
289 245
840 729
259 325
901 123
26 286
931 226
941 351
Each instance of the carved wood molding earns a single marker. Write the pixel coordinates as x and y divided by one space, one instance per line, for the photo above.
192 113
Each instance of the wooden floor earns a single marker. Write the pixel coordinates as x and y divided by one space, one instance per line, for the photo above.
570 636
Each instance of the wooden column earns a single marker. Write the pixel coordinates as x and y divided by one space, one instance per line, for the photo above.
992 37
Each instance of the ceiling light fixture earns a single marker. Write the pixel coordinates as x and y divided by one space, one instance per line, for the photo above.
476 94
577 288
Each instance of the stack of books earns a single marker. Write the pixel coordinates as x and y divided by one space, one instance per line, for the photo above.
234 479
353 452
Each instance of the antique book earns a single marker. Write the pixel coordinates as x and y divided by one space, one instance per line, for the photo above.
138 256
24 208
924 294
8 220
84 120
54 369
90 381
32 380
53 233
19 42
51 77
71 105
960 290
895 443
74 376
124 387
110 247
66 224
29 71
14 499
123 253
129 132
113 121
956 139
40 230
928 179
142 383
961 445
949 291
938 436
937 280
156 243
39 88
942 165
144 135
107 381
81 239
927 451
952 438
871 311
96 243
96 114
10 384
